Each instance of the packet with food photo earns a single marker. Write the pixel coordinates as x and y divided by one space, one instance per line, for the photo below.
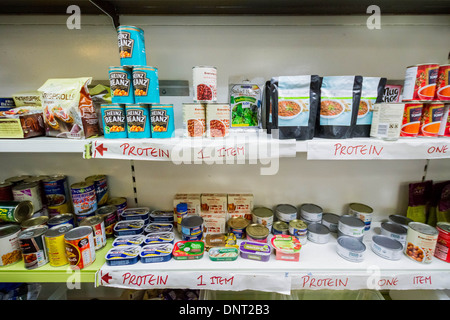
419 199
371 93
68 109
435 201
245 102
294 100
339 102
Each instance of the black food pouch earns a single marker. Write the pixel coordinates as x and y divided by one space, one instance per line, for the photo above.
372 92
295 100
339 102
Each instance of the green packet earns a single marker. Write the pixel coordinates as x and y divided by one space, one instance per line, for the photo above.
419 199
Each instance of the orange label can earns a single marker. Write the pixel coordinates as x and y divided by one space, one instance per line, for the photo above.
432 114
442 83
420 82
411 119
80 247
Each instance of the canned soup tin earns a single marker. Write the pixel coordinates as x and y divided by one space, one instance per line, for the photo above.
443 83
131 46
421 241
420 82
145 84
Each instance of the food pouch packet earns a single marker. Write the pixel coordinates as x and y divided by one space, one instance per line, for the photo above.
419 199
434 202
245 102
100 94
339 102
443 209
68 108
371 93
294 100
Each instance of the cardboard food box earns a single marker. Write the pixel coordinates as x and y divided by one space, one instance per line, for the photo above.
240 205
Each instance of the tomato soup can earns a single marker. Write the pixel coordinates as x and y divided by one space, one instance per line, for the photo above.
32 245
114 121
29 191
98 228
6 191
145 84
16 211
421 242
205 83
84 199
138 121
443 242
61 219
100 182
217 120
162 121
56 246
80 248
430 123
362 212
443 83
131 46
420 82
9 244
263 216
444 129
120 203
110 218
121 84
412 115
194 120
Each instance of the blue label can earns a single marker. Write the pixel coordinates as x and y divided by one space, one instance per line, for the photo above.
121 83
146 84
131 46
162 120
138 121
114 121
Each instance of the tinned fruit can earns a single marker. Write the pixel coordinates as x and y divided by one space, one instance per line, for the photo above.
55 244
420 82
421 242
98 229
443 242
9 244
80 248
32 245
204 83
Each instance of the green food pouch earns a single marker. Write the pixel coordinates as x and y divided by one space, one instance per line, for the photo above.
419 198
443 209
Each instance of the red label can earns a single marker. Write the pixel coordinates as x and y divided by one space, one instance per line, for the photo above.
432 114
444 129
411 119
442 250
442 83
80 247
420 82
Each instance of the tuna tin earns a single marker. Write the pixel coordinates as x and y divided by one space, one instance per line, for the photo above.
120 203
121 83
443 242
223 253
56 245
9 244
33 248
137 240
141 213
331 220
351 226
84 199
158 227
28 191
255 251
101 188
257 233
145 84
401 220
60 219
420 82
298 228
138 121
131 44
286 247
80 249
192 225
162 121
34 222
311 213
351 248
129 227
156 253
421 242
394 231
204 83
387 248
264 216
158 238
162 216
286 212
16 211
188 250
237 226
280 227
98 229
362 212
197 237
114 121
6 191
110 218
318 233
123 255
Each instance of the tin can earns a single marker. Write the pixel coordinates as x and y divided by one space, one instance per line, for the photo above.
430 123
162 121
56 246
351 226
443 242
34 222
16 211
33 248
194 120
331 221
298 228
286 212
61 219
101 188
181 213
218 120
280 227
237 226
351 249
412 115
205 83
310 212
138 121
386 247
80 250
17 179
28 191
120 203
421 242
443 83
110 218
40 181
145 84
9 244
394 231
420 82
387 121
121 84
362 212
318 233
6 193
257 232
98 229
263 216
192 225
401 220
131 46
57 191
444 129
114 121
84 199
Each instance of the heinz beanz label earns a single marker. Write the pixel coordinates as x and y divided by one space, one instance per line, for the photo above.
162 121
114 121
146 85
138 121
120 80
131 46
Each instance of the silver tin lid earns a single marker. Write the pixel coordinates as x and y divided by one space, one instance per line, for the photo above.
423 228
387 243
311 208
394 228
351 244
352 221
318 228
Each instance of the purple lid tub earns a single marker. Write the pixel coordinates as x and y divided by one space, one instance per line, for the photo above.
255 250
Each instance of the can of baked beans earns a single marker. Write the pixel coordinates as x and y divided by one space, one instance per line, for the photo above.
138 121
443 242
194 119
114 121
84 199
28 191
101 188
110 218
32 245
121 83
6 193
412 115
443 83
420 82
98 229
56 246
145 84
9 244
131 46
80 250
205 83
430 123
218 117
421 242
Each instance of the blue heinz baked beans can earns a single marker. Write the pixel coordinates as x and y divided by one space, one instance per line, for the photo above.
146 84
114 121
131 46
121 84
138 121
162 120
